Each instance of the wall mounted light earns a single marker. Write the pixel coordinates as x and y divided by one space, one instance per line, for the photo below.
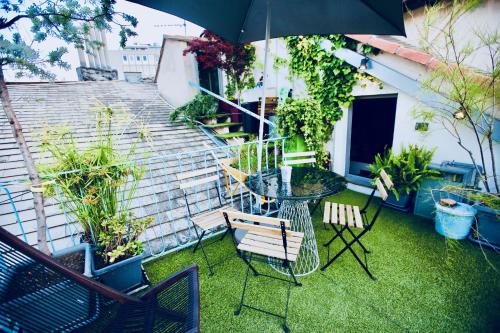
460 114
364 65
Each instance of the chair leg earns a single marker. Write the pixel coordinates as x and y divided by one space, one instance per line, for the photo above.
200 237
348 246
255 273
295 281
289 282
285 326
238 309
336 235
199 244
358 241
211 272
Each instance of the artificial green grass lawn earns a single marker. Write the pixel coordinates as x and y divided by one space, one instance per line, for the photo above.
422 285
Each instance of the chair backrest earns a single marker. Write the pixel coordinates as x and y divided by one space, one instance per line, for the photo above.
197 178
272 226
385 185
239 176
38 294
204 176
305 157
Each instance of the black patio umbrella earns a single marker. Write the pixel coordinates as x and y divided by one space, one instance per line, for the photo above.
243 21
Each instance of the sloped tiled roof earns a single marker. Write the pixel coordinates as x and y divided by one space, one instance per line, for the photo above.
393 46
72 104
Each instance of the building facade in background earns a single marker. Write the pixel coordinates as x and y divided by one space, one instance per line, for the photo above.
136 62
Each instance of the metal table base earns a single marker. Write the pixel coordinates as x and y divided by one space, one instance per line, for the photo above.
297 212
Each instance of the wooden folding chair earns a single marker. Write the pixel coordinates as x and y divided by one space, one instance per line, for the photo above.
271 240
207 221
350 217
239 177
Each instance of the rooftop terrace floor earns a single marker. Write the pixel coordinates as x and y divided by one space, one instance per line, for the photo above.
422 284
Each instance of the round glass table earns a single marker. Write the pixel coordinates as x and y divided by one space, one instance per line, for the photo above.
307 183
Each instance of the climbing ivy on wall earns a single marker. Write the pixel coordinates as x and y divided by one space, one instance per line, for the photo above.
329 80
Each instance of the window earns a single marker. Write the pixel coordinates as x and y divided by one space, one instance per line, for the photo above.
145 58
125 58
138 58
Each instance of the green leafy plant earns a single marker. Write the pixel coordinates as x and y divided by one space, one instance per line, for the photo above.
304 117
246 156
237 60
39 21
96 186
201 107
407 170
329 79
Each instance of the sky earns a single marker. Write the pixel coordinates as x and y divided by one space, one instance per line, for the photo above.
152 26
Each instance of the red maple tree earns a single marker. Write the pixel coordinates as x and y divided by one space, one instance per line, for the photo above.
213 51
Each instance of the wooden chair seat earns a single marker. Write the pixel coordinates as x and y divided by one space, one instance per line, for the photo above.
342 214
211 219
272 245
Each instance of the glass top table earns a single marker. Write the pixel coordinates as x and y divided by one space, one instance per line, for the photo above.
307 183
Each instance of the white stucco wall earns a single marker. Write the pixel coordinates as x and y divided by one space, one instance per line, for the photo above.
436 137
175 73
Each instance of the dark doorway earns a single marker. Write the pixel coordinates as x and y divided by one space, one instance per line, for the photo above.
372 130
209 79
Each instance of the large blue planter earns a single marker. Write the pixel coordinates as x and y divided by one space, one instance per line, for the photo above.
124 275
403 204
454 222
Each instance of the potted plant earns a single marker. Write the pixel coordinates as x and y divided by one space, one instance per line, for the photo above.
236 60
202 108
303 122
96 187
486 229
407 170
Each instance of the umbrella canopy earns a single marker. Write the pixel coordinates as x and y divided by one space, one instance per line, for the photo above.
245 20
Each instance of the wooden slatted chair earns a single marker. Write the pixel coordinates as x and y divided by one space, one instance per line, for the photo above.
271 239
350 217
207 221
239 178
304 157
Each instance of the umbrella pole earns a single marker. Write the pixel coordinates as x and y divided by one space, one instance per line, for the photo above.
264 85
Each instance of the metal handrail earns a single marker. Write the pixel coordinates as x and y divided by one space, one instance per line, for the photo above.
220 98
